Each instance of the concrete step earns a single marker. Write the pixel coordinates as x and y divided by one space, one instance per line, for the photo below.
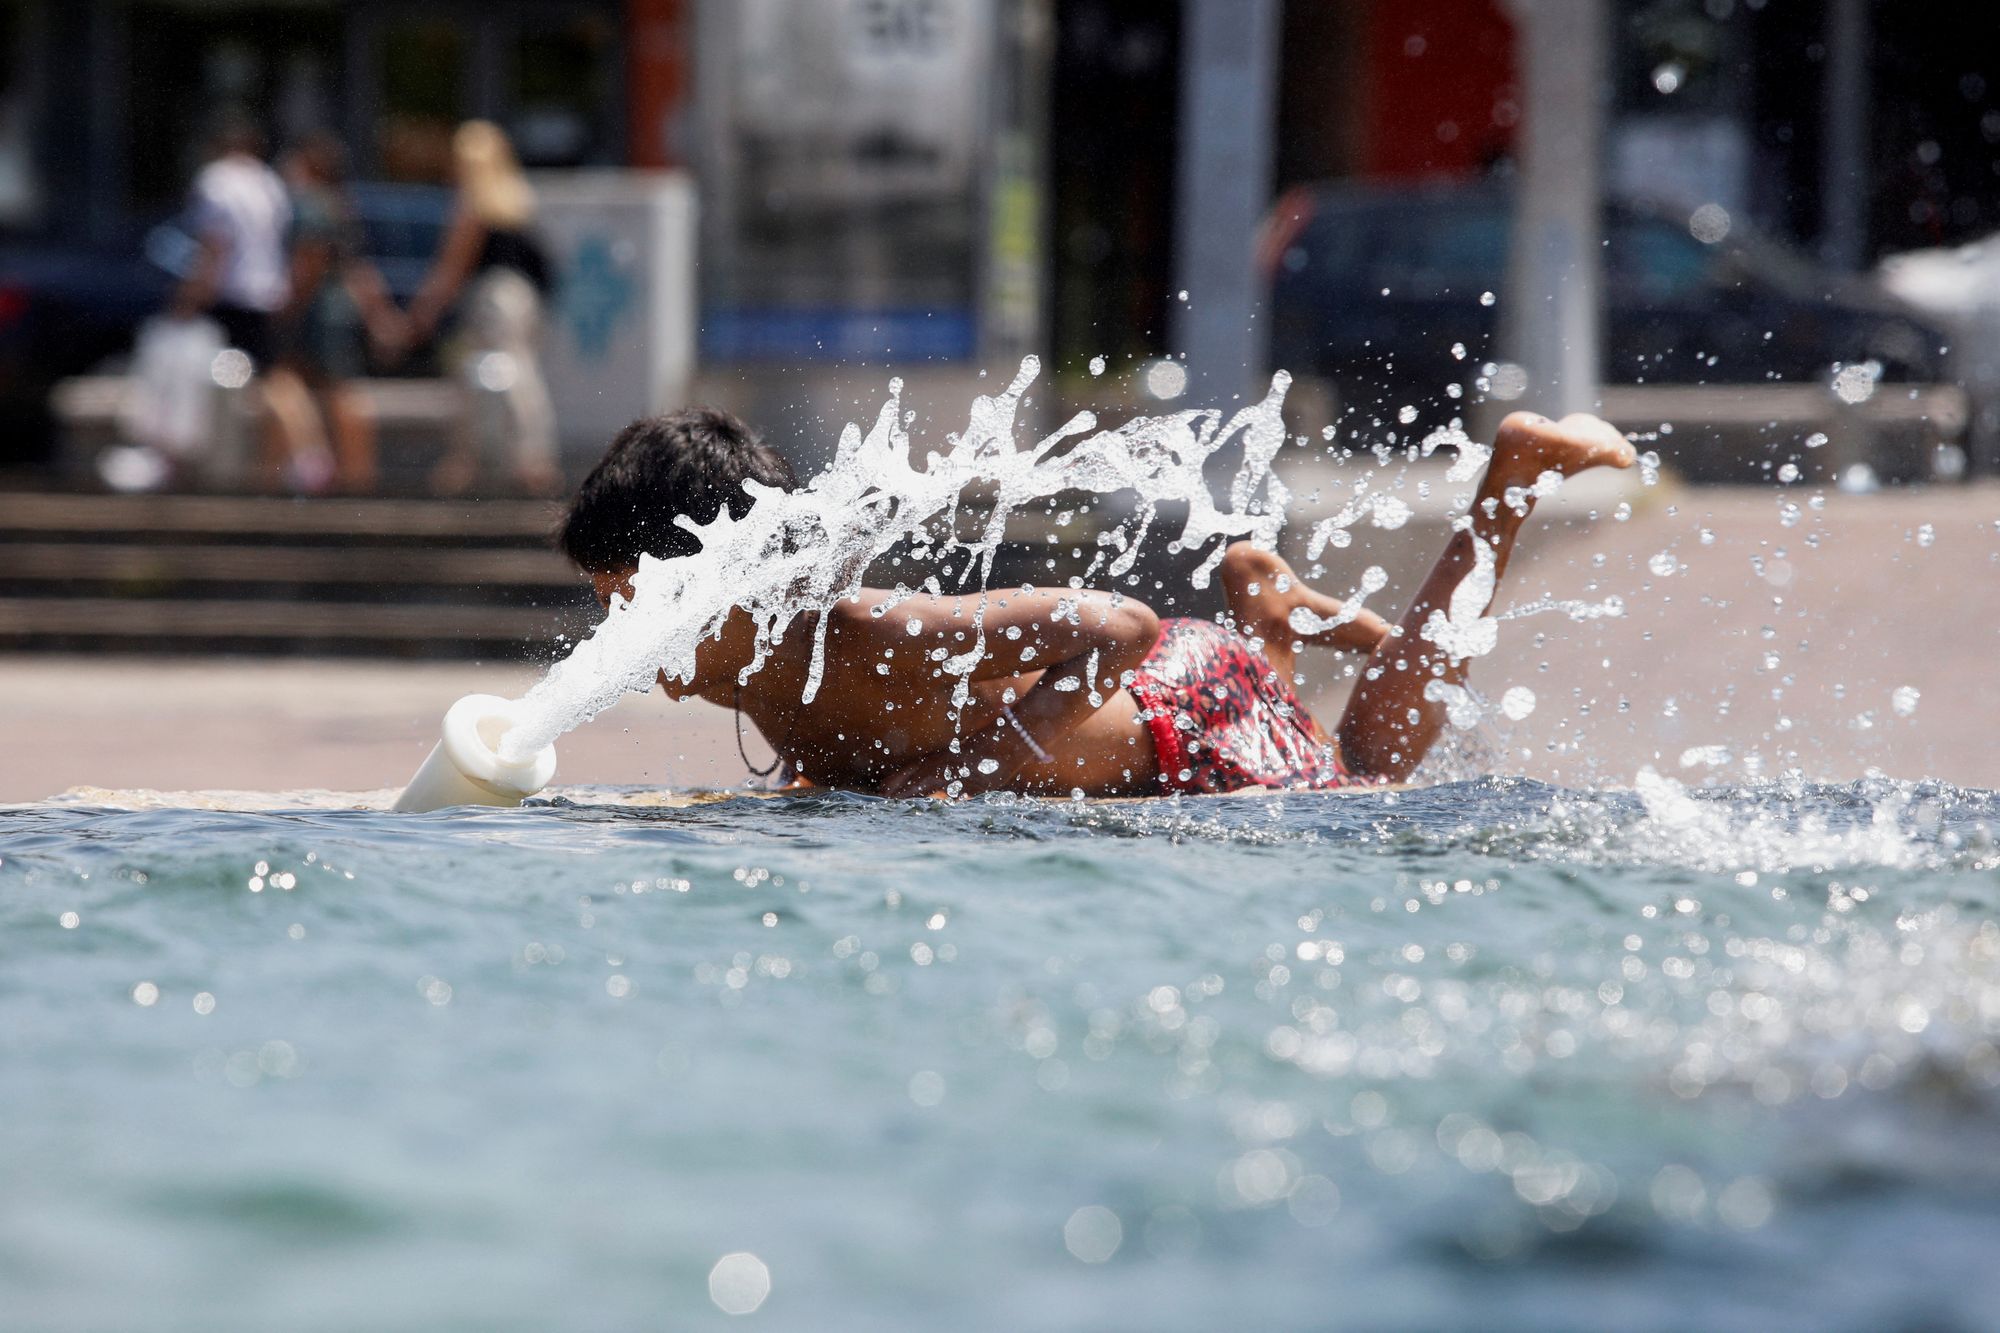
265 575
523 522
128 623
162 564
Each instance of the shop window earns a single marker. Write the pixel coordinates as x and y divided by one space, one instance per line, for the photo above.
424 63
189 63
558 91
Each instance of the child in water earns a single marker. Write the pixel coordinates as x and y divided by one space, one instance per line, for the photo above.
1079 691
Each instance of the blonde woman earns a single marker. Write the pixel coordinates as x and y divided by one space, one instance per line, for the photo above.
492 264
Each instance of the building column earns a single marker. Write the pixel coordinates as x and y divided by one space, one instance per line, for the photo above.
1843 169
1549 322
1013 263
1229 79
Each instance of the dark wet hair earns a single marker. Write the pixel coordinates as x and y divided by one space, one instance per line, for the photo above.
691 462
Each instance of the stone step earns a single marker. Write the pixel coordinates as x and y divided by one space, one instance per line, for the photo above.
519 522
164 565
198 573
402 629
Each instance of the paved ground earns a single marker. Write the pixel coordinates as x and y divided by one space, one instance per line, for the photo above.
1850 601
276 725
1782 643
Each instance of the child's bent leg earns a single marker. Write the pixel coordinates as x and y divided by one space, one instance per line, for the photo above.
1261 592
1390 724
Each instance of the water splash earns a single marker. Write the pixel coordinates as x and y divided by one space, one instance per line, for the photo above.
800 552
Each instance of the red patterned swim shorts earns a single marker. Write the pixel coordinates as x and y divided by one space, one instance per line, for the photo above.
1223 718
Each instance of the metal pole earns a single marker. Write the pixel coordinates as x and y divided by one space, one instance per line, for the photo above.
1229 57
1843 167
1549 324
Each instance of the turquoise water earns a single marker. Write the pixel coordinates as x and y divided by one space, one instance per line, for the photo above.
1487 1055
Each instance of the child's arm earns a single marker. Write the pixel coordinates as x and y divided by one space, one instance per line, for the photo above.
1083 642
450 272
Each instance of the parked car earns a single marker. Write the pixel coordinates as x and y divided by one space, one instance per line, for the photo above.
1372 287
71 308
64 310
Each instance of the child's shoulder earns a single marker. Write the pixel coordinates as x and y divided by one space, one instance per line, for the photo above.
870 611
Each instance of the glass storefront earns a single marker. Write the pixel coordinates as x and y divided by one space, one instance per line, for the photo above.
843 168
142 80
188 62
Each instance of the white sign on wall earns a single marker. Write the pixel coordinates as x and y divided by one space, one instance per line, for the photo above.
620 336
842 169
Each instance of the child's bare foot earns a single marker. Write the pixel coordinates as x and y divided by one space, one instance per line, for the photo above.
1529 444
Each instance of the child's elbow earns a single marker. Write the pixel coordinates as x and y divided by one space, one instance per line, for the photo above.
1136 628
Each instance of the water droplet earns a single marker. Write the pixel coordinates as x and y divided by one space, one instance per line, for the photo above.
1856 384
1859 479
989 766
1904 699
1093 1233
1517 703
1486 298
1926 535
927 1087
1509 381
739 1283
1166 379
1664 564
1709 223
1097 365
1744 1204
1789 472
145 994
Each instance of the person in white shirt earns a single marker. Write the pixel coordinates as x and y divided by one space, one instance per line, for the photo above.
241 216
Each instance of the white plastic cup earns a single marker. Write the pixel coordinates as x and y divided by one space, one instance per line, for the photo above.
465 767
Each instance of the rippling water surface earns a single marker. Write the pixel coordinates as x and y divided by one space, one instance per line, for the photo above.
1487 1055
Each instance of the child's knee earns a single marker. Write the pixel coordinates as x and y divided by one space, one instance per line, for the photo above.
1243 565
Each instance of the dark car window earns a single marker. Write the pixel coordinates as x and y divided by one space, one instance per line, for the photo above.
1330 250
1648 260
1445 250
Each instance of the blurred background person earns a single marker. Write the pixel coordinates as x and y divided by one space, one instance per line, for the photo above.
338 303
240 215
494 267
